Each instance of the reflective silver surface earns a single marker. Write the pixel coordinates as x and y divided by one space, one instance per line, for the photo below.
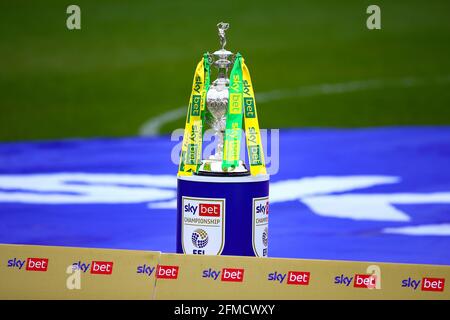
217 103
215 166
217 95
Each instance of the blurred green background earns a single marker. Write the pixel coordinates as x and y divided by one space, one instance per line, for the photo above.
134 60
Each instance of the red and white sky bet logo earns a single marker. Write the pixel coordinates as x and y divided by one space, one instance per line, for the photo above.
367 281
433 284
102 267
37 264
232 275
167 272
209 210
298 278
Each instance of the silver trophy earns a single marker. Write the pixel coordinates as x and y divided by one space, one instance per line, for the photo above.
217 105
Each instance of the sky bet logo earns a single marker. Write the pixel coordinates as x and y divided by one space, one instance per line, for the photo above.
205 209
228 274
145 270
95 267
167 272
367 281
428 284
31 264
293 277
264 209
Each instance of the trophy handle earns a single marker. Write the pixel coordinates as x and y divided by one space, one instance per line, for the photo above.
210 58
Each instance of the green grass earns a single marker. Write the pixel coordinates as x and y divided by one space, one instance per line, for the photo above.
134 60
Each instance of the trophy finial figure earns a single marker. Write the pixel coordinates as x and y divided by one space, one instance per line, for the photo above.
223 26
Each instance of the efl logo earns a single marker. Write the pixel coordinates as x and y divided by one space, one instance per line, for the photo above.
433 284
101 267
232 275
37 264
209 210
298 278
167 272
367 281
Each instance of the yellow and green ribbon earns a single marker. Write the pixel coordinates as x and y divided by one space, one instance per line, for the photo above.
232 138
241 104
252 133
191 150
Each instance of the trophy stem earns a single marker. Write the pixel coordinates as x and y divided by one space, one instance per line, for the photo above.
223 73
219 149
219 132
